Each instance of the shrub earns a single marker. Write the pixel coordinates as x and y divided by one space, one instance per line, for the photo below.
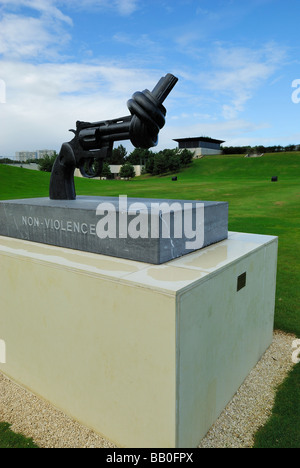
186 157
139 156
167 160
47 162
106 172
127 171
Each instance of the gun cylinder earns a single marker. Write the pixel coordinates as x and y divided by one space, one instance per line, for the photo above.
94 136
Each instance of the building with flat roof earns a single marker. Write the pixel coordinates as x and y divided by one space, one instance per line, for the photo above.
42 153
23 156
201 146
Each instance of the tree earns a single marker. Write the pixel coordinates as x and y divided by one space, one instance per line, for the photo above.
186 156
118 155
174 163
106 172
290 148
8 161
161 163
47 162
150 164
139 156
127 171
168 160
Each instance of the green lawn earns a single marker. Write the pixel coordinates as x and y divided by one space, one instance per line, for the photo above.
283 428
256 205
9 439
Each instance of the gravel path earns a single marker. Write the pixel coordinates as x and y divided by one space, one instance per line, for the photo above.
249 409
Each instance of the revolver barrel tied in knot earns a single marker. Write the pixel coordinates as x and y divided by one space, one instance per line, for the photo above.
93 142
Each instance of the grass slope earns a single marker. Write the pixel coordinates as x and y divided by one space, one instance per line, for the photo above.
256 205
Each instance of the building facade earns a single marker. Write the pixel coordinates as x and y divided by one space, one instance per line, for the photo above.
23 156
42 153
201 146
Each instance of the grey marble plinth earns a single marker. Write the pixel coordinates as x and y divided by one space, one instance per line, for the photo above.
147 230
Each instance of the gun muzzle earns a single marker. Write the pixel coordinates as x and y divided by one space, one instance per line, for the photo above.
148 113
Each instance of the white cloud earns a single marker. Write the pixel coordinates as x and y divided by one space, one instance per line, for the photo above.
51 7
39 33
239 72
23 38
46 7
122 7
142 41
230 131
44 101
44 98
126 7
42 31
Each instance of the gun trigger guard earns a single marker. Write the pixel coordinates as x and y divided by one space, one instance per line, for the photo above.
90 156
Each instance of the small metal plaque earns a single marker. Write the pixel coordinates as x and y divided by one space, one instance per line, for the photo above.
241 281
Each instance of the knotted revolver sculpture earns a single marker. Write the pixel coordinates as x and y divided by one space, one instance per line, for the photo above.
93 142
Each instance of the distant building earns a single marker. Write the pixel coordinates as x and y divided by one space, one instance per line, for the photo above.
116 168
42 153
201 146
23 156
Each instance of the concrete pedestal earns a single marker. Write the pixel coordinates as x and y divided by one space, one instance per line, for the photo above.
146 355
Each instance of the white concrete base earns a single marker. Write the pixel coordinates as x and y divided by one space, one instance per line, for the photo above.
147 356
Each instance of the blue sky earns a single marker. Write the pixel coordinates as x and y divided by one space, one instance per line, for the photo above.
62 61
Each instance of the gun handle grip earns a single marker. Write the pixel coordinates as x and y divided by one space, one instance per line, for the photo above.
62 185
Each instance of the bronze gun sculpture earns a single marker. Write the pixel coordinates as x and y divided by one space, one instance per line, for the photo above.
93 142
